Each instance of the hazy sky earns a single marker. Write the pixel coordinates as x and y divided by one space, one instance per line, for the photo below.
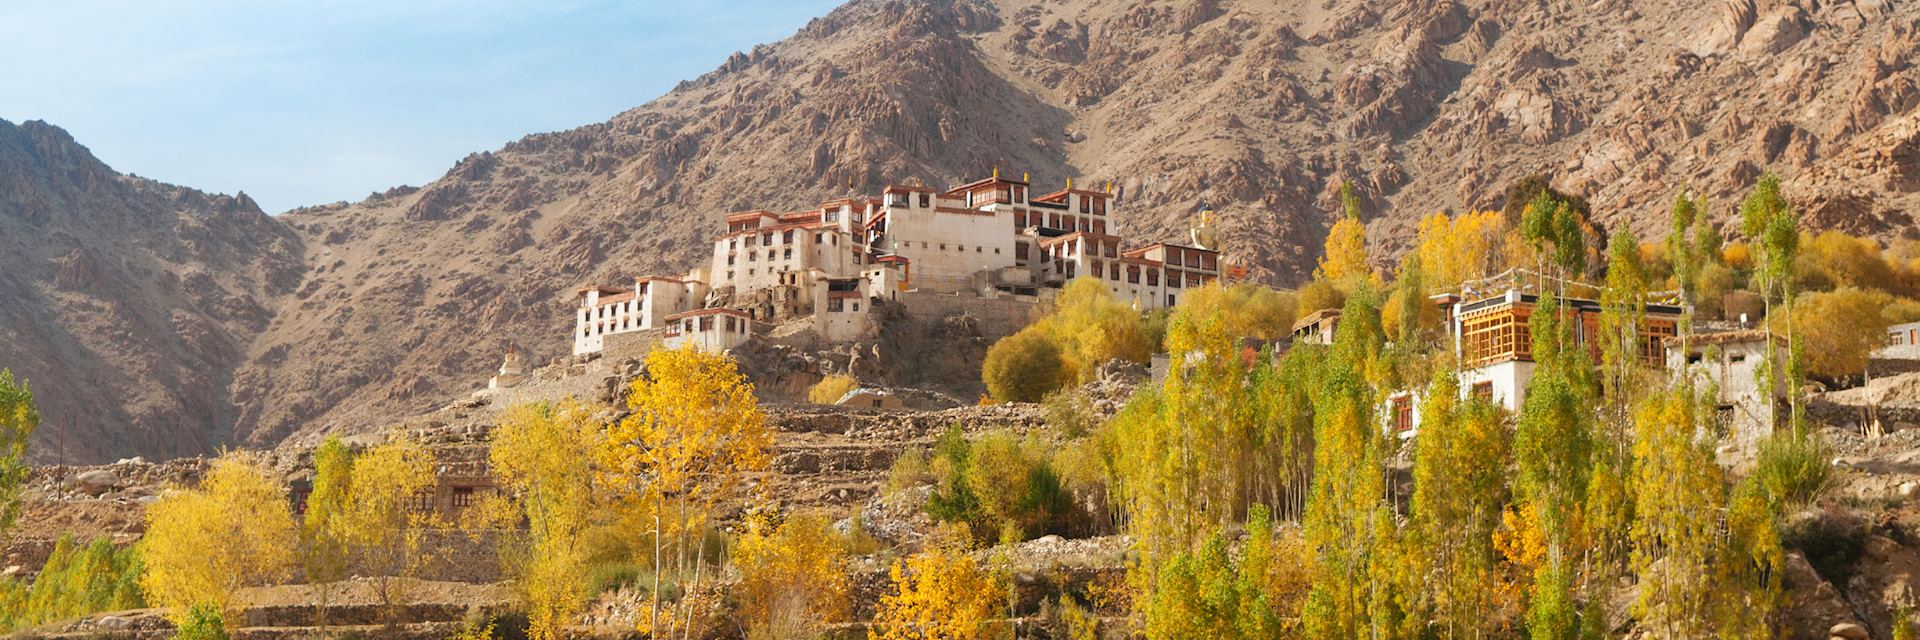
302 102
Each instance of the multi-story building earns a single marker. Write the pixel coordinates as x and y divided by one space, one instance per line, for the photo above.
1490 337
830 263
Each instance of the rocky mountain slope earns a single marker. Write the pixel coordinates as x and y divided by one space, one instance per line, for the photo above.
128 303
1260 108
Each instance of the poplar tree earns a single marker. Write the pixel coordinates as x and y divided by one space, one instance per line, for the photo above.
1553 449
1771 225
1460 468
540 452
1676 530
202 546
18 419
1345 260
1346 505
325 526
694 434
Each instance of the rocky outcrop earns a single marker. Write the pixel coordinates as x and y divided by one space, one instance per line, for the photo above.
125 302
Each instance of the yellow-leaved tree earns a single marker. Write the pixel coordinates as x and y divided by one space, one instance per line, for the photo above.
541 453
937 594
203 545
793 578
388 513
694 434
1456 249
1346 251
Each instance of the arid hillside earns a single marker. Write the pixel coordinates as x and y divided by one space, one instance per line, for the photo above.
1259 108
126 302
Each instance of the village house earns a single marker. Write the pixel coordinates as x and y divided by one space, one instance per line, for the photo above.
1731 362
1491 340
830 265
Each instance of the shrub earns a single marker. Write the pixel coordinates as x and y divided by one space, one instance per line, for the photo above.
610 576
203 622
908 471
830 389
999 487
1023 367
1792 467
936 594
793 581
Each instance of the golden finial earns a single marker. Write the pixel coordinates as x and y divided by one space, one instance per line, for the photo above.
1026 177
1069 182
996 173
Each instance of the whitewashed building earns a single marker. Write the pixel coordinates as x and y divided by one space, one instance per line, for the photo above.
831 264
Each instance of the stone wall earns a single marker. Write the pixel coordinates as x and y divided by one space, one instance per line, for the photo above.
995 317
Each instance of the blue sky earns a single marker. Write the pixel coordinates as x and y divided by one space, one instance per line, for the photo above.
301 103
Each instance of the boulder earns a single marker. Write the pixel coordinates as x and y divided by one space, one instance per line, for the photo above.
96 482
1774 32
1848 630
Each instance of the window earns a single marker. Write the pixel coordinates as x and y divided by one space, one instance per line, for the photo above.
1402 413
1019 219
1153 277
1020 251
1083 203
787 236
767 238
1019 193
462 497
819 237
856 306
1099 206
788 255
421 501
1099 226
923 200
836 304
706 323
1099 271
1483 391
897 199
1113 249
1170 300
1133 274
1173 278
753 256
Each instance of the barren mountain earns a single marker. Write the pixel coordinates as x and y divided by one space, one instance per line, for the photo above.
128 303
1258 107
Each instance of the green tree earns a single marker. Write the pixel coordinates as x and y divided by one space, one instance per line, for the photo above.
324 527
1622 334
18 418
1553 451
1772 226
